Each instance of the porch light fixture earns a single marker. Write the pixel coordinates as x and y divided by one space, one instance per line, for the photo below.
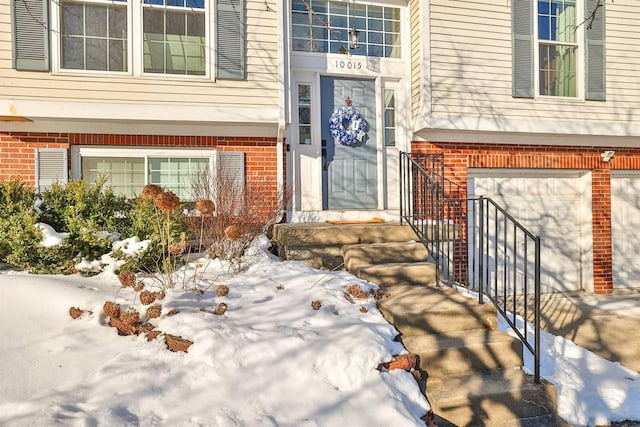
354 43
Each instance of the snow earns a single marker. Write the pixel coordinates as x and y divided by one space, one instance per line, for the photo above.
50 237
592 391
269 360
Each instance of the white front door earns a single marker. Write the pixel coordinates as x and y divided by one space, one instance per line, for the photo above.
625 228
551 204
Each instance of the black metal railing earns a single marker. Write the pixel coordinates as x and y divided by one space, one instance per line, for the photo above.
475 243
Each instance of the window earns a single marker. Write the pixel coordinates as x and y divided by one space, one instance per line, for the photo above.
94 35
174 37
557 47
129 170
304 114
176 174
323 26
389 118
125 174
161 37
550 50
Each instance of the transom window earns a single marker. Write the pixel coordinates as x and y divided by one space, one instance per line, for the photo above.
323 26
557 47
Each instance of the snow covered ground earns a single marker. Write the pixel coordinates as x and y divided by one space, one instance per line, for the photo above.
270 360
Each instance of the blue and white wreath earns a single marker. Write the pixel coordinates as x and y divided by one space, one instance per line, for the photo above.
348 126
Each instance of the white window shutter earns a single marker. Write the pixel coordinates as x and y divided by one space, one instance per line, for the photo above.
51 167
595 52
522 55
30 25
231 175
230 39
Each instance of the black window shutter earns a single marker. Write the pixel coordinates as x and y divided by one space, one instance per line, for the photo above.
522 29
595 79
30 24
231 39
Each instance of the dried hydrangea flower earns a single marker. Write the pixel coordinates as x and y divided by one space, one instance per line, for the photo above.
167 201
150 191
205 207
154 311
111 309
130 316
147 297
127 278
233 232
222 291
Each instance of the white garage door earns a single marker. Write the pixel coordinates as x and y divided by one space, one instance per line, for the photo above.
551 205
625 228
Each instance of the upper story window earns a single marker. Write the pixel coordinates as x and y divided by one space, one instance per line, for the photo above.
174 37
559 49
323 26
93 35
168 37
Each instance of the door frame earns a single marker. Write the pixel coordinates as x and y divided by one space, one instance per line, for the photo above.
306 194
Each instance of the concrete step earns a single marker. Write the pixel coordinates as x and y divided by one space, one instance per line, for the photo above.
400 273
416 310
460 352
317 234
491 399
328 257
361 255
548 420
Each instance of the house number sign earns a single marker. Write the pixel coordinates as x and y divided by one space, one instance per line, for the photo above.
348 64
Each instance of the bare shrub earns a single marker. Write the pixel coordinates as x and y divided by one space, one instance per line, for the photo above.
241 213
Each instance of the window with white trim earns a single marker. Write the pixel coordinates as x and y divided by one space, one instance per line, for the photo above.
159 37
304 114
323 26
174 37
129 170
389 117
93 35
559 49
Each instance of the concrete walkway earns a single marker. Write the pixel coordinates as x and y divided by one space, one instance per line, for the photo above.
608 325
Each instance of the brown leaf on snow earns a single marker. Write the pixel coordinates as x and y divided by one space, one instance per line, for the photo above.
220 309
406 362
316 304
222 291
355 291
175 343
75 312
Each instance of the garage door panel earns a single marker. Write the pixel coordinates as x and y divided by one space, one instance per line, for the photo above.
625 228
550 208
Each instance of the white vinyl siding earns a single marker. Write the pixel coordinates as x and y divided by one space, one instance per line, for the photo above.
471 73
259 90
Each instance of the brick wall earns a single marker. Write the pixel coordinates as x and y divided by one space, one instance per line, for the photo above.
17 158
461 156
17 153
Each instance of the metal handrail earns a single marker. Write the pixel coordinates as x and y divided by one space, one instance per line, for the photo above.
475 243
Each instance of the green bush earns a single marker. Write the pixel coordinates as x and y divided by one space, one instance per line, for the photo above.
93 216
